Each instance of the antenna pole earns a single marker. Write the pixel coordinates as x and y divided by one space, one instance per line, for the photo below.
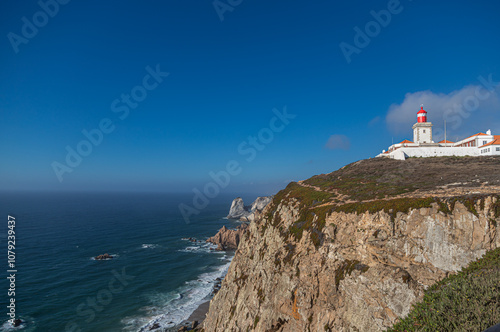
445 132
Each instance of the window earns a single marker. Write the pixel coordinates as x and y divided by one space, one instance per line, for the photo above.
498 149
424 131
484 142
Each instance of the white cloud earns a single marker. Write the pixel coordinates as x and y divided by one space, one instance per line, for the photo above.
374 121
467 111
338 142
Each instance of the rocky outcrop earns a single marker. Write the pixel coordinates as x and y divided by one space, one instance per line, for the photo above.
103 257
260 203
239 211
228 239
352 271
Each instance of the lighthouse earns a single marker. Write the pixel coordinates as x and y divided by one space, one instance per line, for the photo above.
422 130
422 115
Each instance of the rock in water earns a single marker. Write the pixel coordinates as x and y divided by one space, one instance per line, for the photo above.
228 239
239 211
103 257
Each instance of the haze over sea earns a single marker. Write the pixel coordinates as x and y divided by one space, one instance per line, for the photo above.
60 287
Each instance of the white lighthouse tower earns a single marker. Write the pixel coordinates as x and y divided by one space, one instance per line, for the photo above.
422 130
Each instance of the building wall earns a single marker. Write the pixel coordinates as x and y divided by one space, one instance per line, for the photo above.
422 132
491 150
425 152
475 141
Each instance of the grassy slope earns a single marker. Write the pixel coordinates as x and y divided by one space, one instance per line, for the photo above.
380 177
467 301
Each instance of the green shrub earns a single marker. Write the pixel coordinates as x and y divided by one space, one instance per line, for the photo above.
466 301
256 321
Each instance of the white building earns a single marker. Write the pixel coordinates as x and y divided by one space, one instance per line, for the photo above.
422 145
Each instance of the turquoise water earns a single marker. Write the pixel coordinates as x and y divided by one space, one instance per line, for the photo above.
155 273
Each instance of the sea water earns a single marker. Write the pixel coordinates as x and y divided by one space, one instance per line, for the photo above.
156 275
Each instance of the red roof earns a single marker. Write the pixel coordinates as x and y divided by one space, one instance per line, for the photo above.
406 141
496 141
421 110
478 134
443 141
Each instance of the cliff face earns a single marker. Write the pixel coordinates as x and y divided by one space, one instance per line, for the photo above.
315 260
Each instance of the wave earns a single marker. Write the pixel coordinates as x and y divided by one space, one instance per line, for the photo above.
200 248
225 257
27 325
170 309
149 246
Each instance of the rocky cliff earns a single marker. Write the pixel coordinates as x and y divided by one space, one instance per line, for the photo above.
353 249
228 239
239 211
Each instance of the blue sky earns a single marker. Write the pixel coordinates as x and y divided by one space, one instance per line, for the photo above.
225 79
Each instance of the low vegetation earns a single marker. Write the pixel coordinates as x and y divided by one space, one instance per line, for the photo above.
312 216
256 321
404 205
381 178
307 196
466 301
314 206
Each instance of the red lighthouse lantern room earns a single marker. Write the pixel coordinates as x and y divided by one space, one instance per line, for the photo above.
422 115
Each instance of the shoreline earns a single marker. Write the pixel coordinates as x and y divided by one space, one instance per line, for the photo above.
200 313
197 316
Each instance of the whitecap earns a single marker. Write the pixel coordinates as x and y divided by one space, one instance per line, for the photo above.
27 325
149 246
201 248
167 310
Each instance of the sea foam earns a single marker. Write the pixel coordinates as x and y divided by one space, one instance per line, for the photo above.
170 309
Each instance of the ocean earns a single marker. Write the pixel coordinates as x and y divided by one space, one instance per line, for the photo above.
155 273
